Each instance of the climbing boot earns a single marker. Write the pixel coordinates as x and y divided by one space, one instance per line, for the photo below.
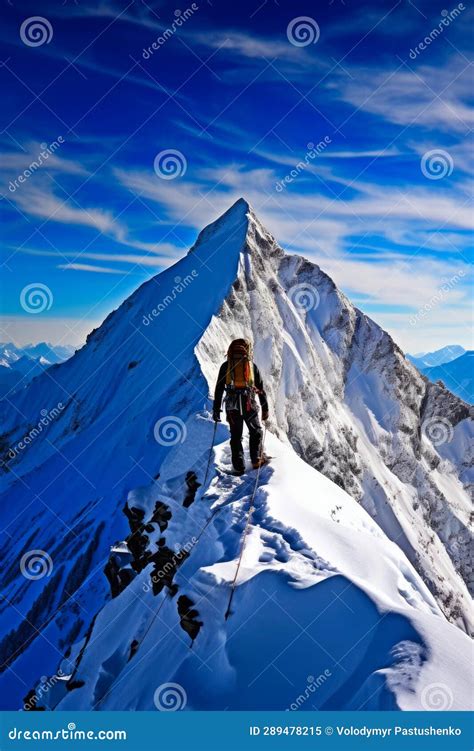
261 461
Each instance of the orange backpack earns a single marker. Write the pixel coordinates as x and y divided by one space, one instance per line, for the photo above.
239 365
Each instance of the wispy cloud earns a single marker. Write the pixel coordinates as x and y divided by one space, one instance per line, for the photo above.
408 283
44 204
13 163
250 46
445 324
361 209
160 257
423 95
331 232
375 210
89 268
37 196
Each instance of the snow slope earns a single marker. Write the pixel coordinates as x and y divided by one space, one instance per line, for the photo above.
321 591
124 408
64 483
354 408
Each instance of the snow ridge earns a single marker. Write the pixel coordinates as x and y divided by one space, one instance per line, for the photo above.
105 487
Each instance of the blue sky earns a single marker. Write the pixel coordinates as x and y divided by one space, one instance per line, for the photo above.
239 90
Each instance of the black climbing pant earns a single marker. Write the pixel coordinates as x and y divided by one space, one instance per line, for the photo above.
236 421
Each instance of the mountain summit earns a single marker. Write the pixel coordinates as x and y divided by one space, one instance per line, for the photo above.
364 507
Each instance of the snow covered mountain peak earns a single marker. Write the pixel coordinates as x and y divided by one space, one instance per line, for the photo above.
233 222
120 459
237 229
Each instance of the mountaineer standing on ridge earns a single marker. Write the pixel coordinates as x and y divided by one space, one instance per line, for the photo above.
241 379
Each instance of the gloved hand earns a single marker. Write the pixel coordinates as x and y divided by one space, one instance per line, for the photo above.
216 417
264 415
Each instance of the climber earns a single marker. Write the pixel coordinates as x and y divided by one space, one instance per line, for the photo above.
241 379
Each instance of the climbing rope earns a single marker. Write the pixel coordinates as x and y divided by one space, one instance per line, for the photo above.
206 524
155 615
153 619
210 453
119 677
247 525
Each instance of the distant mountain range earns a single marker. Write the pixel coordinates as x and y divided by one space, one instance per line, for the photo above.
19 365
456 375
438 357
452 365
